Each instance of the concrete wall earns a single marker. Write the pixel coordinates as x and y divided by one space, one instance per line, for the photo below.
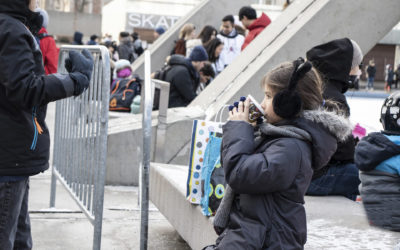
125 142
208 12
66 23
117 14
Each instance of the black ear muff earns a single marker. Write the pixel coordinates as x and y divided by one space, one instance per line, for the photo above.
287 103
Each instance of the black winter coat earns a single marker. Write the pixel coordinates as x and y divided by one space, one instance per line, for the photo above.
270 181
184 80
371 71
333 60
345 150
24 93
125 50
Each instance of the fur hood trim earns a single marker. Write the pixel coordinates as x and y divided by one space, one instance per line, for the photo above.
337 125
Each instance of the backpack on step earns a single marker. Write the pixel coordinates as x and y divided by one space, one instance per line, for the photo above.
123 93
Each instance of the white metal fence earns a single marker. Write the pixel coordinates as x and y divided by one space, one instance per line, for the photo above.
80 140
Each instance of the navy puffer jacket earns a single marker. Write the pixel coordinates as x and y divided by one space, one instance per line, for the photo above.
270 182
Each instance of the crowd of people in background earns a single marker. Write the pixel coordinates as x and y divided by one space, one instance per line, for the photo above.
196 57
221 46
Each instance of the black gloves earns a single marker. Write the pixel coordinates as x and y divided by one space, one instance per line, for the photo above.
80 67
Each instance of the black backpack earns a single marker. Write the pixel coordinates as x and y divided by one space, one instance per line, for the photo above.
159 75
123 93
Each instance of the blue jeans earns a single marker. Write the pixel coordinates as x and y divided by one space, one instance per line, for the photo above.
15 227
338 180
370 82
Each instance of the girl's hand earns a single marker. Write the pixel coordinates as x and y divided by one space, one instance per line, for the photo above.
241 113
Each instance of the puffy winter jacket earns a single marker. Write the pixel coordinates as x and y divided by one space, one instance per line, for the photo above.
379 159
270 182
49 52
184 80
24 93
256 28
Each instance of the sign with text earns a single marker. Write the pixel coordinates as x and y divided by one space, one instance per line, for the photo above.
149 21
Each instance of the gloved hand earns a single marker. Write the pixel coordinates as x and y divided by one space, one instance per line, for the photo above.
80 68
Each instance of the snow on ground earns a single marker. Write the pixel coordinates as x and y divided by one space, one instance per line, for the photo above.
366 111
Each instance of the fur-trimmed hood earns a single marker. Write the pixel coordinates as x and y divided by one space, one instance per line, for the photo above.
326 130
337 125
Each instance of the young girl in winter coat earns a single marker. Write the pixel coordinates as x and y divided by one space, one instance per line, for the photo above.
268 172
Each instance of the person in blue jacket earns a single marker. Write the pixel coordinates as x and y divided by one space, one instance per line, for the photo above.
378 157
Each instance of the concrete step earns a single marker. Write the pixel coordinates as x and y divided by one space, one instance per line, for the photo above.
333 222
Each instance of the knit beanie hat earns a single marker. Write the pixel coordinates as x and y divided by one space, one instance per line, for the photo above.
357 54
160 30
45 16
122 64
198 54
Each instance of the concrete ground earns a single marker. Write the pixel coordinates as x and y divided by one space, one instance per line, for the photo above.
67 228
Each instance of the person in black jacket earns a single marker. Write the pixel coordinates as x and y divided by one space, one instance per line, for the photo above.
25 91
378 157
268 172
125 47
77 40
335 60
183 75
370 74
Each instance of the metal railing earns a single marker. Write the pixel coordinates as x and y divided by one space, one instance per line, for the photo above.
80 140
159 149
146 126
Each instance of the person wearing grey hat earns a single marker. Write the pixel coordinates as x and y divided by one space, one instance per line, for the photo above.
336 61
183 75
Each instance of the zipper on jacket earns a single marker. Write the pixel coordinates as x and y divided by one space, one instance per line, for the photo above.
38 129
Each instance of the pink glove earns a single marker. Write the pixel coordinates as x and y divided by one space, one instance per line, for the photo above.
359 132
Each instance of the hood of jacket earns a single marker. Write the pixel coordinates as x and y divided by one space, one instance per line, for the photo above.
78 37
373 150
261 22
326 129
42 31
181 60
233 34
19 9
333 59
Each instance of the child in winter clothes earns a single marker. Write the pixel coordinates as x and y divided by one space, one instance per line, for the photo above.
378 157
122 70
268 172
